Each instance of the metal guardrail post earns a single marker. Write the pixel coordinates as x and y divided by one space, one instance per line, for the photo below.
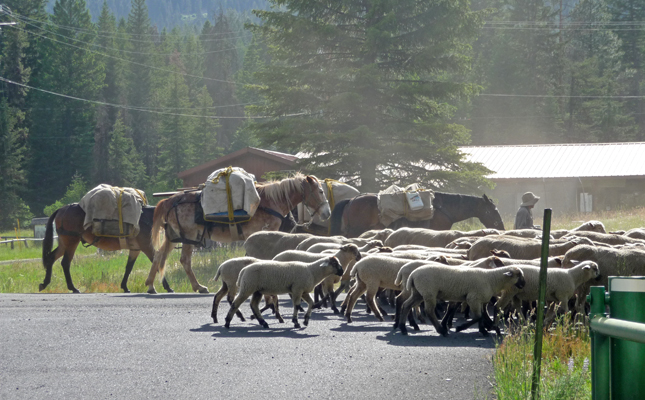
626 303
599 347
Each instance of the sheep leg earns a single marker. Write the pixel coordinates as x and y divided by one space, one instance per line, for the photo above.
449 315
216 299
477 318
255 307
357 291
371 300
310 308
235 306
344 285
296 303
343 305
276 308
414 300
398 303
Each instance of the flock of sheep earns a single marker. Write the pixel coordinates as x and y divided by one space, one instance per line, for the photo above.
427 271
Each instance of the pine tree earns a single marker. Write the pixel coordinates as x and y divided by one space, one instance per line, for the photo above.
124 166
204 137
221 63
62 130
365 89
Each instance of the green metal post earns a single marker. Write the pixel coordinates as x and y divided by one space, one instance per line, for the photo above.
627 297
599 347
539 325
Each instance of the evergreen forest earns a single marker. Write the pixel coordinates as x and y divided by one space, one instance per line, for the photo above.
372 92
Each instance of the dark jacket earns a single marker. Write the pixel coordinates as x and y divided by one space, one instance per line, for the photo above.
524 219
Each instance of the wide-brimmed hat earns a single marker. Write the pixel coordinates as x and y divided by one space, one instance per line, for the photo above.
529 199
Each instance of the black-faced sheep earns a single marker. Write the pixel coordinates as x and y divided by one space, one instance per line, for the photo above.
474 286
275 277
561 285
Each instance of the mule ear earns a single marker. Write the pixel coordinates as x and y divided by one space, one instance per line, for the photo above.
310 179
486 197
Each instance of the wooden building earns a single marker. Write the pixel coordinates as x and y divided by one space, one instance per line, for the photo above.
252 160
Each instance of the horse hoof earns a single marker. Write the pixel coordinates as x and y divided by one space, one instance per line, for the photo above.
169 291
76 290
203 290
41 287
126 291
152 291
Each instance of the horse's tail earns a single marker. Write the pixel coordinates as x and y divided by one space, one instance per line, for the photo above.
158 222
336 218
48 241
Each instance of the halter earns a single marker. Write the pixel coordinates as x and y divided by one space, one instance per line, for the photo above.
304 201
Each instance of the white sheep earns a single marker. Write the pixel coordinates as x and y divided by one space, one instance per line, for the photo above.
606 238
307 243
561 285
372 273
474 286
431 238
267 244
626 261
525 249
593 226
321 247
296 278
347 255
376 234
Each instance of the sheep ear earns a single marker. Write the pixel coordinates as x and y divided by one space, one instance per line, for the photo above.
558 260
509 274
442 259
575 262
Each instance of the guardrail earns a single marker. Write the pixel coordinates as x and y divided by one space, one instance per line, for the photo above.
618 339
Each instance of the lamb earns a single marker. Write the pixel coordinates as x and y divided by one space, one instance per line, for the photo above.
525 249
320 247
347 255
405 271
372 273
524 233
626 261
637 233
560 286
267 244
431 238
593 226
607 238
471 285
406 247
229 271
276 277
552 262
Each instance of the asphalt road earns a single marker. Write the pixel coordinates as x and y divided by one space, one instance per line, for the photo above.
139 346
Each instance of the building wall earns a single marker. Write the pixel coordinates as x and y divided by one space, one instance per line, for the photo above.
558 194
252 163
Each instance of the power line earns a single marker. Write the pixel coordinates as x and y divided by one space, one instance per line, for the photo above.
126 60
72 28
558 96
136 108
130 51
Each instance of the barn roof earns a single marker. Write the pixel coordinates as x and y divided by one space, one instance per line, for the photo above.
560 160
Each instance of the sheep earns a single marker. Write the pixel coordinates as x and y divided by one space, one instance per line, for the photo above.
524 249
560 286
431 238
474 286
637 233
524 233
320 247
229 271
406 247
372 273
307 243
376 234
626 261
267 244
552 262
405 271
593 226
607 238
276 277
347 255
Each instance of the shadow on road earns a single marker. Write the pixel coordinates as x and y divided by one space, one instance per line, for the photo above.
430 338
166 295
220 332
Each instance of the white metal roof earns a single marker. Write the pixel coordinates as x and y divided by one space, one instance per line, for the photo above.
561 160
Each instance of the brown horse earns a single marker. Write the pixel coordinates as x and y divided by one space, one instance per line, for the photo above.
361 214
69 225
176 215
